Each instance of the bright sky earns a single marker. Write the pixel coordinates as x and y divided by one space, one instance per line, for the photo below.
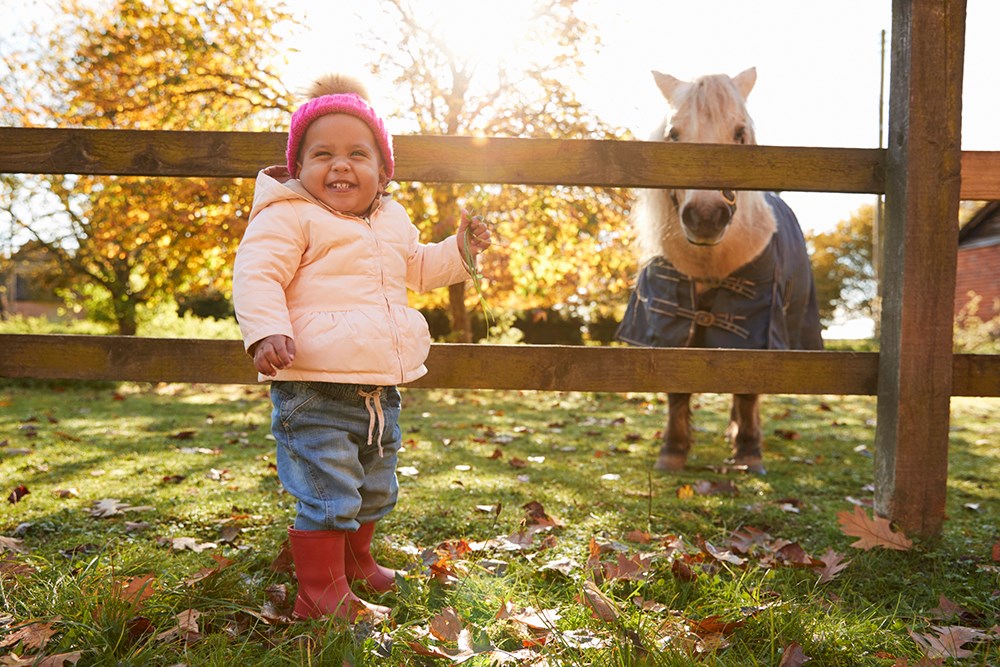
818 65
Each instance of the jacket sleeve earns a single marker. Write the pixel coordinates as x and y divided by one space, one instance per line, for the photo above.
433 265
266 261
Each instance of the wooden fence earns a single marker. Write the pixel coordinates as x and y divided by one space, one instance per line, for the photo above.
923 174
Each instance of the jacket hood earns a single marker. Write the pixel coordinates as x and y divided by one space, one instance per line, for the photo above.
275 184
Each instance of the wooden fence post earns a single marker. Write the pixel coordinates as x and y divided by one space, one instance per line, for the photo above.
921 241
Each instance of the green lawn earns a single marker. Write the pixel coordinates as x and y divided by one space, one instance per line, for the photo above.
530 524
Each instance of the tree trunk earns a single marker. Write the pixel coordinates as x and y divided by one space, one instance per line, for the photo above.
461 325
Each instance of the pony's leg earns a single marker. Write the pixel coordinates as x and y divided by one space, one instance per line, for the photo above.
677 439
745 433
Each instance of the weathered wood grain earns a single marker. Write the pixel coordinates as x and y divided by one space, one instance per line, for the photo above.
452 159
455 366
921 244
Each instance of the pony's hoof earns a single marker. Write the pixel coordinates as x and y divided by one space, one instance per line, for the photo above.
670 462
753 464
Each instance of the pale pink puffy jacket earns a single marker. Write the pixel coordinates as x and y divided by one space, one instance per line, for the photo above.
336 285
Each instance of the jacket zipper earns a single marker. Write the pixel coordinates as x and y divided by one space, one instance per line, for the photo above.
385 297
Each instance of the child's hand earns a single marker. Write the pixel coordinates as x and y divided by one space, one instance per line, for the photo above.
273 354
473 234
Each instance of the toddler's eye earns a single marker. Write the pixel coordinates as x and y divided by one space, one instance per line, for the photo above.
740 135
673 135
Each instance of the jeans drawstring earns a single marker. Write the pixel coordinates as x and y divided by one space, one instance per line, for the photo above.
374 415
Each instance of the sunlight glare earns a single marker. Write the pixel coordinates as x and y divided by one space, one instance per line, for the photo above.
486 39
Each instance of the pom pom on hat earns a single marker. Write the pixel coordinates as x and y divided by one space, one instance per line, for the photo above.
337 93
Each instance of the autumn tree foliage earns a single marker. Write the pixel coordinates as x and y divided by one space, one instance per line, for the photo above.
127 242
555 245
842 266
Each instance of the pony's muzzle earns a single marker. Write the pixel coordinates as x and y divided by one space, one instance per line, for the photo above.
705 223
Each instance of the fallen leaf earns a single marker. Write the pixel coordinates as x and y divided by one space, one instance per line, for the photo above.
946 609
182 543
134 590
947 642
11 544
714 625
33 636
20 491
832 564
186 629
106 507
872 533
793 656
446 626
600 604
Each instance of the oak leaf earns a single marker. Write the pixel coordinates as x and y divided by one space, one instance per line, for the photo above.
831 565
947 642
33 636
872 532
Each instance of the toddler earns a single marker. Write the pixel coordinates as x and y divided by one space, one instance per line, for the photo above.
319 290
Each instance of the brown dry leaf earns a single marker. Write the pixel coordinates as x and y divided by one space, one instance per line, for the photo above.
57 660
66 493
832 564
206 572
946 610
186 630
793 656
20 491
182 543
638 536
748 539
283 561
723 488
996 552
685 492
33 636
111 506
714 625
9 569
872 533
11 544
634 568
544 620
600 604
134 590
947 641
446 626
722 554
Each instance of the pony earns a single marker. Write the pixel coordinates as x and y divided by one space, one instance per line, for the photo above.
718 268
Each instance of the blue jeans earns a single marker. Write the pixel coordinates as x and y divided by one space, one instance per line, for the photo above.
324 459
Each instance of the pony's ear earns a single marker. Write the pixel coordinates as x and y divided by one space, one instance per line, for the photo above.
744 81
668 85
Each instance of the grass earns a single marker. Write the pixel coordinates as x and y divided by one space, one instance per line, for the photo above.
200 460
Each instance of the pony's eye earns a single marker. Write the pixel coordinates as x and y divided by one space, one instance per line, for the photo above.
673 135
740 135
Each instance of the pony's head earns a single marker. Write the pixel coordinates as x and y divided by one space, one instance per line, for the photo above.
709 110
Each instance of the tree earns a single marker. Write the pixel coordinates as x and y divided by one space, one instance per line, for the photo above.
846 284
557 245
142 64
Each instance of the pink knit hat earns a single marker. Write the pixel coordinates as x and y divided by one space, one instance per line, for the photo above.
337 94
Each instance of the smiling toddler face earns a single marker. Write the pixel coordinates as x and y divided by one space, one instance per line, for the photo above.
340 164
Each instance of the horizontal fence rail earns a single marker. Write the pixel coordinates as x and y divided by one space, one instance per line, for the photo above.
460 366
453 159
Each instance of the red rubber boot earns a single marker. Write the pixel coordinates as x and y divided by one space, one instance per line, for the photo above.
359 565
319 567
